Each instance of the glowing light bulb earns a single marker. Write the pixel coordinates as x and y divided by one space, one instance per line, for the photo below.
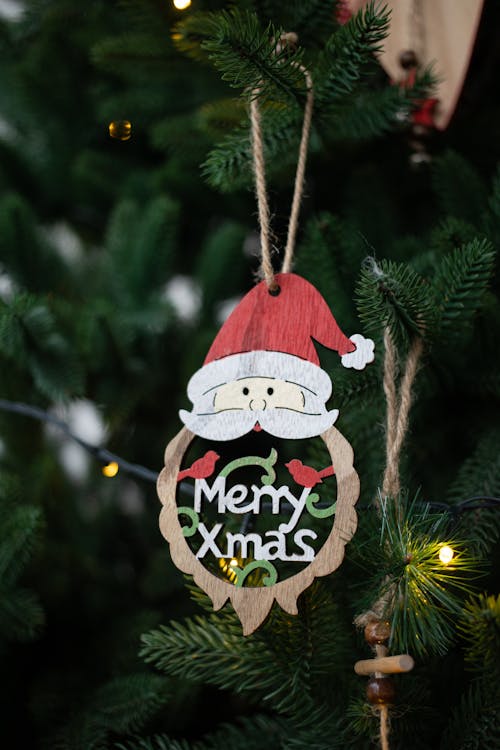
182 4
111 469
446 554
233 563
121 130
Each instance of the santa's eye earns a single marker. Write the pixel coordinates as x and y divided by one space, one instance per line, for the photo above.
245 391
270 391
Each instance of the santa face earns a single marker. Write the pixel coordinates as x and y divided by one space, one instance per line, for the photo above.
280 406
258 394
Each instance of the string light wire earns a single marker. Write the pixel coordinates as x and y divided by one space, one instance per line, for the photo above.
104 456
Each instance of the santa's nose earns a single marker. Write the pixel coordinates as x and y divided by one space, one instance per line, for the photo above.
257 404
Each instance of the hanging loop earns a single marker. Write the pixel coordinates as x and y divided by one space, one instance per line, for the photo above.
266 268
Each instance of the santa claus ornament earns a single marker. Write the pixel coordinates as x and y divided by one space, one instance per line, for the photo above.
262 378
244 510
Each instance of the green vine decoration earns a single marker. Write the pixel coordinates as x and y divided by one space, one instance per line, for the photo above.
243 573
267 463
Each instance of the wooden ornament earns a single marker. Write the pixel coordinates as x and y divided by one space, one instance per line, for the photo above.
385 665
441 32
377 631
262 375
380 691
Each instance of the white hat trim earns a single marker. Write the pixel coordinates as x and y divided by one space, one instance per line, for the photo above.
264 364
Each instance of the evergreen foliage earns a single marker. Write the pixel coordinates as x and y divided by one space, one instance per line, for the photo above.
117 259
424 597
21 615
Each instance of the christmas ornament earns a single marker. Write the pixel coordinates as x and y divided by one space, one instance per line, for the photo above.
258 522
262 377
380 689
121 130
441 32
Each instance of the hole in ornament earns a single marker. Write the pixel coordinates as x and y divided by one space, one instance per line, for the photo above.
270 391
245 391
275 290
290 527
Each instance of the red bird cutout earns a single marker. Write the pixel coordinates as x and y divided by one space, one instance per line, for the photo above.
306 476
201 468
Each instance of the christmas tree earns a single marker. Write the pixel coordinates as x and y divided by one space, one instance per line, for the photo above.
128 230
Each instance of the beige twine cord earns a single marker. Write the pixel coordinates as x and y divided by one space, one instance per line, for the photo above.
266 268
398 409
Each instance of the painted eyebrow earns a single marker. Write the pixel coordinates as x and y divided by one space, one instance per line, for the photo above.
292 382
250 377
212 388
213 413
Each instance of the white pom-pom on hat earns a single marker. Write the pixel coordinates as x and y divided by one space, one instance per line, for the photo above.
362 355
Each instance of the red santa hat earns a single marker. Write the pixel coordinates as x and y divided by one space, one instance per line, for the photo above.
282 328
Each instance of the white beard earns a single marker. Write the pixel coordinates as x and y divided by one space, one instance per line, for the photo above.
280 422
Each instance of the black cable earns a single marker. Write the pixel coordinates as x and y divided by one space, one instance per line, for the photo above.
477 502
101 454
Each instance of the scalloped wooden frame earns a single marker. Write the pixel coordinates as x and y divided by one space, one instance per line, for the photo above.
253 604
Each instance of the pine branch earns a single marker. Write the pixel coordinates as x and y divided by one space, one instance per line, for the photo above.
393 295
246 55
269 666
221 116
221 251
19 531
30 260
141 244
229 165
30 338
423 596
319 258
492 218
134 55
341 64
459 285
480 626
192 32
157 742
369 112
122 705
245 732
480 473
450 235
21 614
313 21
474 724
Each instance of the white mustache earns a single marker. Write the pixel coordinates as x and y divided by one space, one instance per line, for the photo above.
280 422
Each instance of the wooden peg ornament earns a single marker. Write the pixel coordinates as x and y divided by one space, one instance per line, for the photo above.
258 399
380 690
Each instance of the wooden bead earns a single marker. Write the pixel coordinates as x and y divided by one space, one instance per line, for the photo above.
408 59
377 631
380 691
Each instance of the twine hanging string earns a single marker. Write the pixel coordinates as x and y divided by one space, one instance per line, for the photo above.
266 268
398 409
